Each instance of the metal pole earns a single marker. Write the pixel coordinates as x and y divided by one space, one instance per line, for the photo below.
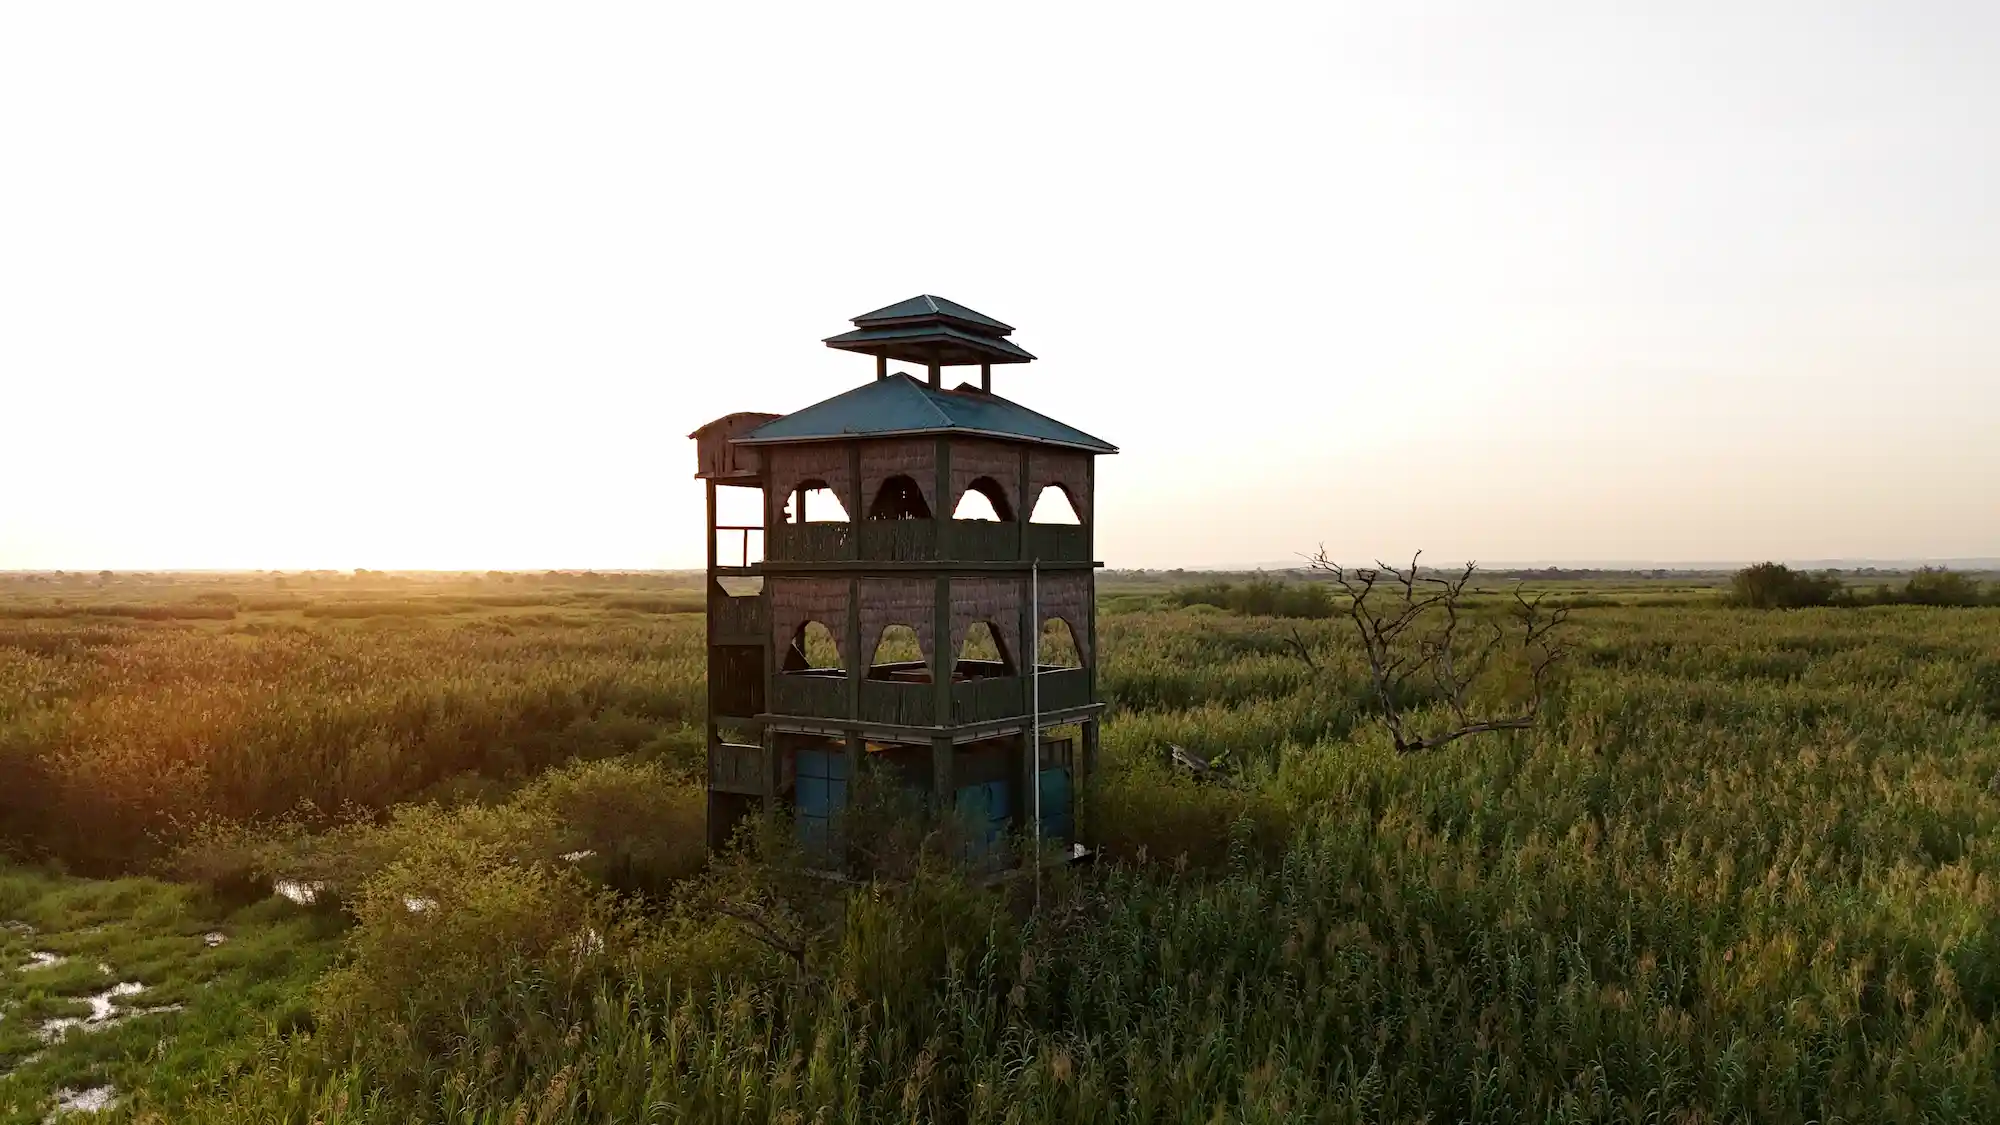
1035 670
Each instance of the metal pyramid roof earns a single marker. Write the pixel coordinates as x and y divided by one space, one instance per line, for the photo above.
901 405
926 307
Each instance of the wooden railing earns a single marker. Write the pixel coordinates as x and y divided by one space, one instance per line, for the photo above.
737 545
984 541
978 701
899 540
794 693
1058 542
1065 688
918 541
810 542
902 704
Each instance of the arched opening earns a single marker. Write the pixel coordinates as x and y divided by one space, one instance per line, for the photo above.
814 649
814 502
899 498
1054 506
982 654
984 499
898 657
1058 647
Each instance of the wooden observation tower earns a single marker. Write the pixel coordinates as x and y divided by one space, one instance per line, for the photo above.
865 503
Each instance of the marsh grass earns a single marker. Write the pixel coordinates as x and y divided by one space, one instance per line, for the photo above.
116 740
1743 870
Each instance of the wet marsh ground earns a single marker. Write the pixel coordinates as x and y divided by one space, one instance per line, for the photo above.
140 986
1743 870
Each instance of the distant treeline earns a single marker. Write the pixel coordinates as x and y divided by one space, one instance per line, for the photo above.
1776 586
224 606
1259 597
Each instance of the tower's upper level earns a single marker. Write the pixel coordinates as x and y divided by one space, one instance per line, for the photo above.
883 472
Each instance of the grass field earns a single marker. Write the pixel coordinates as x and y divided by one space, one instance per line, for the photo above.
1743 869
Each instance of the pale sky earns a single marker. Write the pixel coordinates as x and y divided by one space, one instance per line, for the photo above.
439 285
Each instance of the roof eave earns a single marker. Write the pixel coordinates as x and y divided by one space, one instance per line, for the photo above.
954 431
929 351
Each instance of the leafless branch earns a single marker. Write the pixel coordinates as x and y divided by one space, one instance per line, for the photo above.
760 927
1414 630
1297 642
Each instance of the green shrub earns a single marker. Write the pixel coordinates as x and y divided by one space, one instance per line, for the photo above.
453 929
1939 586
1770 585
639 826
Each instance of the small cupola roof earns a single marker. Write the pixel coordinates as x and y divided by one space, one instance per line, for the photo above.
933 331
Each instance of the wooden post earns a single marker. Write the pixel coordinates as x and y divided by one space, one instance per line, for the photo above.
881 367
712 822
1090 555
942 782
1027 777
853 500
854 755
1025 643
857 661
711 530
1086 768
937 375
1023 504
768 738
943 659
986 377
941 489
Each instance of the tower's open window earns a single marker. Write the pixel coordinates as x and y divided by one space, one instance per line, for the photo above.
814 502
1058 648
984 499
813 650
899 499
899 657
1054 506
983 655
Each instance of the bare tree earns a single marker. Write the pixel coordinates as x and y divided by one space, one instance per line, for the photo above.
1418 633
